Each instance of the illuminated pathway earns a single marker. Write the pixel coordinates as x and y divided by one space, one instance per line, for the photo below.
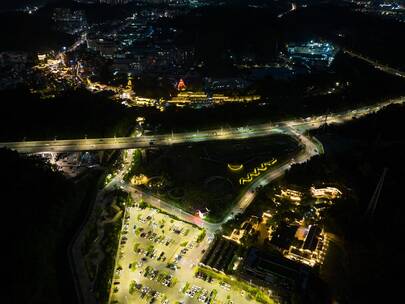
190 137
312 147
295 128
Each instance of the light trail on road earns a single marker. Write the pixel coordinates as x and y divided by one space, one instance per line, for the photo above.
295 128
260 130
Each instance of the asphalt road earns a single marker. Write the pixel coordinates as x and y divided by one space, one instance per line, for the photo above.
294 128
259 130
311 148
162 225
376 64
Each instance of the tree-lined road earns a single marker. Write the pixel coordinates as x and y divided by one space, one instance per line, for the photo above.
310 148
295 128
259 130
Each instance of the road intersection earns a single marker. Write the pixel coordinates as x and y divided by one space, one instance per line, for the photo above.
259 130
296 128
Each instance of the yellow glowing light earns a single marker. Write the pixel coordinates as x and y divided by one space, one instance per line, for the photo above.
139 180
234 167
257 171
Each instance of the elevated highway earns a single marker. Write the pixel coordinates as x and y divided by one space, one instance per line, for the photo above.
260 130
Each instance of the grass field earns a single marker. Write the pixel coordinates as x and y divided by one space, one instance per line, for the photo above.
208 175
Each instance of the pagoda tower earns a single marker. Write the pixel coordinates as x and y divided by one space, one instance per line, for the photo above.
129 84
181 86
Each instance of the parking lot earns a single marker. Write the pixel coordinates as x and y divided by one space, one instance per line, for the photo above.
157 262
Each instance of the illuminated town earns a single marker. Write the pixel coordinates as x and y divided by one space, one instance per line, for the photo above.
202 151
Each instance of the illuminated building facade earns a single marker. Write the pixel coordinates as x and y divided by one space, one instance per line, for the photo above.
314 54
308 247
69 21
107 48
328 192
181 86
275 271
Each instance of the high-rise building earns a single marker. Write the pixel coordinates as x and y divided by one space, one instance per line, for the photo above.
107 48
69 21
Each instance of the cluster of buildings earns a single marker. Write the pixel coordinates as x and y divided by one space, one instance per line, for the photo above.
247 228
314 54
69 21
105 47
317 193
194 3
309 246
295 59
14 69
137 45
282 275
292 195
228 83
271 253
282 270
72 164
202 99
220 255
391 9
325 193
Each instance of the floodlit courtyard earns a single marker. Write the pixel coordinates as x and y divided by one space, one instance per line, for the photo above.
157 262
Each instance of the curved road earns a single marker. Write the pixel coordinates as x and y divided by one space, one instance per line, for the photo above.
294 128
191 137
85 285
311 148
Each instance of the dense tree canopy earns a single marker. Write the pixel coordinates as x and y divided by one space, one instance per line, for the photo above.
40 214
